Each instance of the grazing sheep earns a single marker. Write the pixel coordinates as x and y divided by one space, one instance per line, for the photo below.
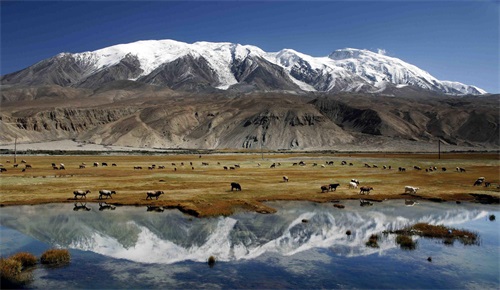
479 181
96 164
235 186
81 166
365 189
333 186
81 193
151 194
325 188
225 168
411 189
353 185
106 193
285 178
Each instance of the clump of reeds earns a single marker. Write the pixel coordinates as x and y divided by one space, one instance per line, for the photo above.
348 232
372 241
11 274
406 242
55 257
26 259
492 217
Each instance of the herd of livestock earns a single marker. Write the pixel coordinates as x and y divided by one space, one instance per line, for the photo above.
353 184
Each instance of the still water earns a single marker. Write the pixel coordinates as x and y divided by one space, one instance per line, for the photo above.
130 247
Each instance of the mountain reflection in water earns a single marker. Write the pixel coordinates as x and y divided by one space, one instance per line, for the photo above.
167 237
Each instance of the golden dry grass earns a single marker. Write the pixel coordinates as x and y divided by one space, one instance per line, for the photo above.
26 259
205 190
55 257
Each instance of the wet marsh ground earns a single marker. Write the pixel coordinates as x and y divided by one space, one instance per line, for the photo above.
204 190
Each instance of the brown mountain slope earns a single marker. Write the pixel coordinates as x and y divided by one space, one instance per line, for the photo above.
147 116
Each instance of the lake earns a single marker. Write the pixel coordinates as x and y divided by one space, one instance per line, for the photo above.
303 245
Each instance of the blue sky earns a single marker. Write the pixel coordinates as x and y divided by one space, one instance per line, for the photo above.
452 40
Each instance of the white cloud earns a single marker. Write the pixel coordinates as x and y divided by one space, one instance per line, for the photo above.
381 51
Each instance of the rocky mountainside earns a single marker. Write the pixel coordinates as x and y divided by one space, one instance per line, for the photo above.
126 114
209 67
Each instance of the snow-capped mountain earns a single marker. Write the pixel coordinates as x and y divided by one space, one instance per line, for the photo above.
223 66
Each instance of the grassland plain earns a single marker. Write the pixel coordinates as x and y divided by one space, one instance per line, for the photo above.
204 190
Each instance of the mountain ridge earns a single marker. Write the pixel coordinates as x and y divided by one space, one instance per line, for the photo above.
219 66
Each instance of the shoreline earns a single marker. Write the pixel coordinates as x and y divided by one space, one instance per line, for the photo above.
260 207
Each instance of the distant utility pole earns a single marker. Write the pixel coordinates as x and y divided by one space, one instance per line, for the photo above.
439 148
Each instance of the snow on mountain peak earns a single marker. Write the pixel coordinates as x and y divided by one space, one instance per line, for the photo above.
347 69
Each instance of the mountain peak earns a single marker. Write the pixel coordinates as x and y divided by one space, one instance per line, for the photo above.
225 65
